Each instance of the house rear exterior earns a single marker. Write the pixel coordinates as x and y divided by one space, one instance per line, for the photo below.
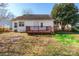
33 23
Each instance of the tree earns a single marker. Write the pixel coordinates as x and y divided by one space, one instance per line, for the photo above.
5 16
29 11
10 15
4 12
65 13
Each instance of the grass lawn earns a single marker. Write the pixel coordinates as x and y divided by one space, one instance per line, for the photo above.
67 39
38 45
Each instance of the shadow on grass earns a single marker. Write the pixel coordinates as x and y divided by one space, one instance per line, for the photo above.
50 34
63 32
41 35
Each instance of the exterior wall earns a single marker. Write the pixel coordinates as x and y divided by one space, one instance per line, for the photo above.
32 23
19 29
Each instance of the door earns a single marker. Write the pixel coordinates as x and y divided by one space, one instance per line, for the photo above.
42 27
36 25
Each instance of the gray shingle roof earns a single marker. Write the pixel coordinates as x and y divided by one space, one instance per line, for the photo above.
34 17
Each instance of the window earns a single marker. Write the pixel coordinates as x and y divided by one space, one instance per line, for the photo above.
15 25
41 24
21 23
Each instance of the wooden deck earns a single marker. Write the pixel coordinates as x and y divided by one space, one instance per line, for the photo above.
38 29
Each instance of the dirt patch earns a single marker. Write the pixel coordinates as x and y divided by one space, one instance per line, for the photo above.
24 44
76 36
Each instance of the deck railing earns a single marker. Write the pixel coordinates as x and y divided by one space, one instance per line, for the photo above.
38 29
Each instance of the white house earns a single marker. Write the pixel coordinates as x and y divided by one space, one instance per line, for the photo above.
33 23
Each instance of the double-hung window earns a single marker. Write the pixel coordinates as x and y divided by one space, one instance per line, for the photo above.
21 24
15 25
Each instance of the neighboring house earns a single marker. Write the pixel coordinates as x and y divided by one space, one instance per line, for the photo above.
33 23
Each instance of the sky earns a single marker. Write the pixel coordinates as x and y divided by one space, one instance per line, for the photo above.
36 8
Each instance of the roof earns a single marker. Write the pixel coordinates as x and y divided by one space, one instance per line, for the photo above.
34 17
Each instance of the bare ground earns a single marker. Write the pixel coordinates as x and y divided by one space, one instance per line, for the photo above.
34 45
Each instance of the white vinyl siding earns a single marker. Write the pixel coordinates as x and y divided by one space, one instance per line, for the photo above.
32 23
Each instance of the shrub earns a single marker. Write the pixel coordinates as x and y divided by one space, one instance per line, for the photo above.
2 29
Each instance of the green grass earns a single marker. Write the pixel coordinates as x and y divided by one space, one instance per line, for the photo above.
66 39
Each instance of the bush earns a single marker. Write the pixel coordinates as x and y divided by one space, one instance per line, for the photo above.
1 30
4 30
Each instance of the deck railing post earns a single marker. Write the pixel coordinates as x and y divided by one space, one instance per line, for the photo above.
38 28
